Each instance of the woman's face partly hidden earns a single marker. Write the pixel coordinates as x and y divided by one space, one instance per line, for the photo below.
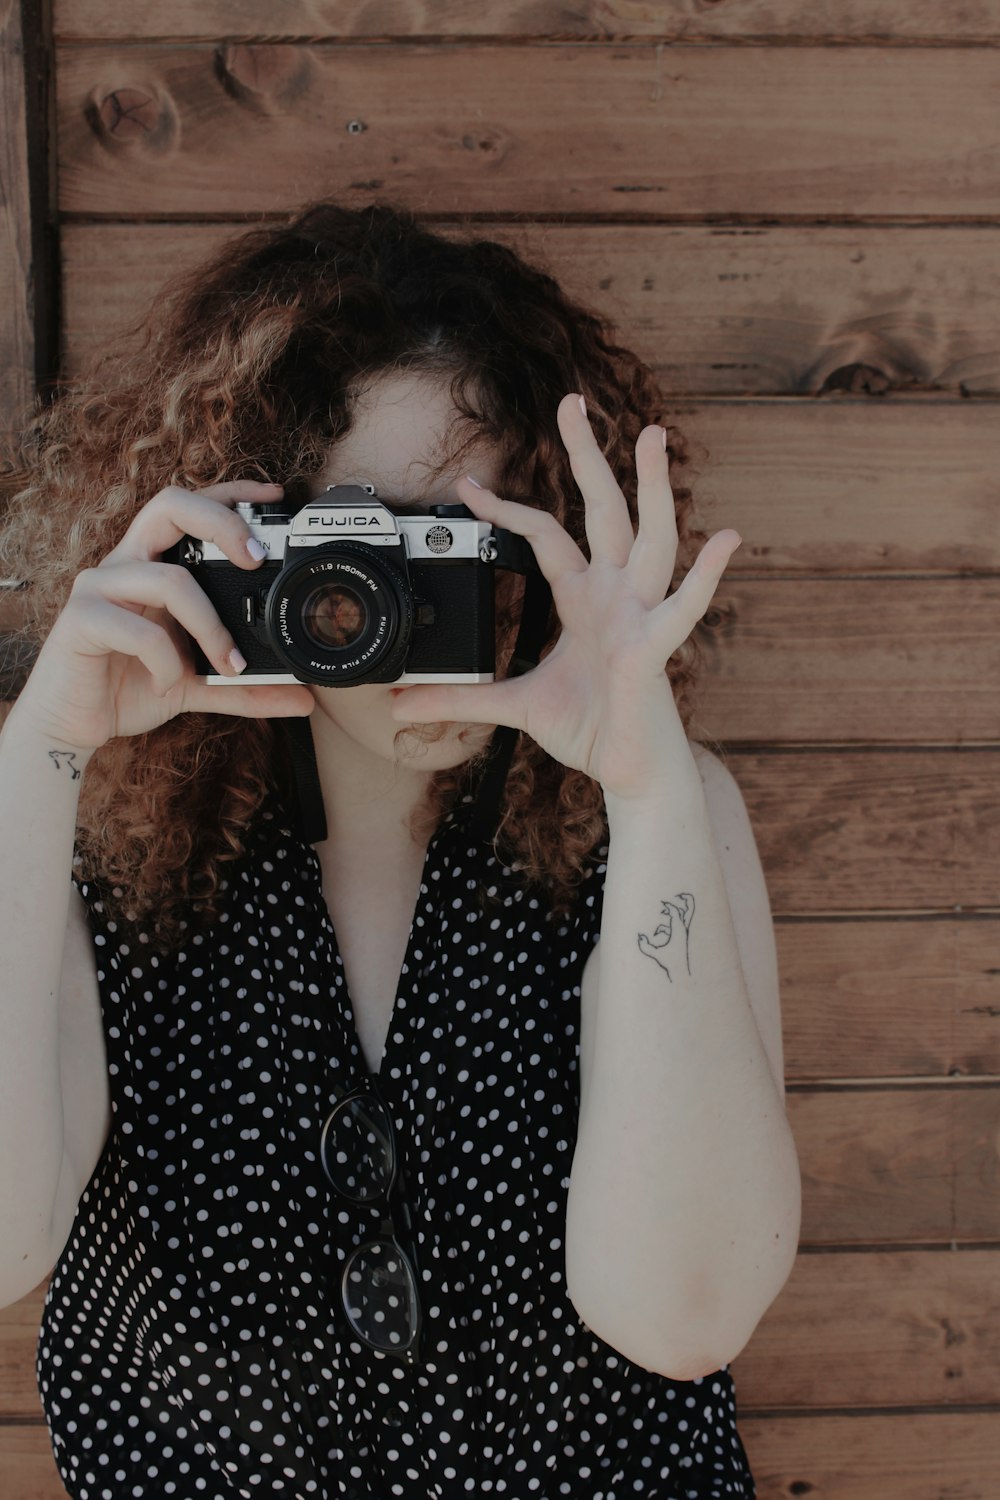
404 427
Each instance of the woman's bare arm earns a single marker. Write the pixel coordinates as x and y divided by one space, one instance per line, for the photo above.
112 665
53 1085
685 1178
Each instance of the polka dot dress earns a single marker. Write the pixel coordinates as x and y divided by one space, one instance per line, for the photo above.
194 1341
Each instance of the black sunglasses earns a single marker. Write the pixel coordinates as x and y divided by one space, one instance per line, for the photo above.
380 1281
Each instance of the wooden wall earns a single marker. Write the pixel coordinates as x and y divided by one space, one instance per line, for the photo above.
794 213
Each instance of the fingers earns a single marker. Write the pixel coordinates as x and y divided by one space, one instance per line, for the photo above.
175 513
555 549
270 702
163 586
474 703
673 620
112 629
651 563
609 528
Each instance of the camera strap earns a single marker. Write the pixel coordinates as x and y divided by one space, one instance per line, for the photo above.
305 773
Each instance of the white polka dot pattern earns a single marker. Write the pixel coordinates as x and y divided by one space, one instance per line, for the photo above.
194 1341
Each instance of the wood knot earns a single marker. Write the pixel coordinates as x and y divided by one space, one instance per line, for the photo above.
491 143
264 79
718 618
858 379
129 115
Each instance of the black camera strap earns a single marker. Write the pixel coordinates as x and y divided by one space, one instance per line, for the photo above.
515 554
305 773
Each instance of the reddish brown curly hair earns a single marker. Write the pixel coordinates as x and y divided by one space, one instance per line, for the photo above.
245 371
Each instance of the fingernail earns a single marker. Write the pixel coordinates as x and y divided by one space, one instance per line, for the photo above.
473 481
663 435
583 405
237 660
256 551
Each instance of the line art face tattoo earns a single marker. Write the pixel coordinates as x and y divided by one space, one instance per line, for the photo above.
672 937
60 758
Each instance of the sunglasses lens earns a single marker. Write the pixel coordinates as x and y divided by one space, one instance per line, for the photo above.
380 1296
356 1149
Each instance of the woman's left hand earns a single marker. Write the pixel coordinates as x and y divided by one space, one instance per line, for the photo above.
600 701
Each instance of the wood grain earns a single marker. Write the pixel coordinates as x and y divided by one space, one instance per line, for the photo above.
17 322
770 21
685 131
892 1329
849 486
19 1325
869 660
875 830
27 1467
916 997
775 311
895 1166
911 1456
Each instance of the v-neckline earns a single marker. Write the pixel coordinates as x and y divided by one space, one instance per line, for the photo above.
348 1016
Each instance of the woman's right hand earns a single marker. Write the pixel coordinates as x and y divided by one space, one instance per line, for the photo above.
116 662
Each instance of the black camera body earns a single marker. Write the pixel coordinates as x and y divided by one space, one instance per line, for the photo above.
353 593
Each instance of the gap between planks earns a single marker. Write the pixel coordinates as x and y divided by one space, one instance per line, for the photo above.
639 41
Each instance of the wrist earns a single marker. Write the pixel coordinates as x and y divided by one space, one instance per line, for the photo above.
670 786
23 730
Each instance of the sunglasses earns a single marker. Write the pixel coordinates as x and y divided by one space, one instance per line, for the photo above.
380 1281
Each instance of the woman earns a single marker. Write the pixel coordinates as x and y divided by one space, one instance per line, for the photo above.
364 1168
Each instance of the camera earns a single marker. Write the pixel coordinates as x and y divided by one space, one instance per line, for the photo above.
352 592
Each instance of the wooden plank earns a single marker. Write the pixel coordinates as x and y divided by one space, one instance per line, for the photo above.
17 313
910 1456
789 310
875 830
837 1457
19 1325
27 1466
914 997
702 131
892 1329
872 660
850 486
812 486
898 1165
765 20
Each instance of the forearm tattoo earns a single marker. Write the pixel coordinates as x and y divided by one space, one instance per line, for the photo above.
60 758
670 944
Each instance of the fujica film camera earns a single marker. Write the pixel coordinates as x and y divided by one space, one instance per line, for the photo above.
351 592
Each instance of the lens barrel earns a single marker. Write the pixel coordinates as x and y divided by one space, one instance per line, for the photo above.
341 613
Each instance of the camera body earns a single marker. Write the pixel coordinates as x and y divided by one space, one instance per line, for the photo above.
352 593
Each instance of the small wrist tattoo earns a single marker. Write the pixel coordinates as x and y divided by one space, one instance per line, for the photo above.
670 944
60 758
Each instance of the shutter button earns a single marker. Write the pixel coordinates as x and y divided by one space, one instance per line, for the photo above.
393 1417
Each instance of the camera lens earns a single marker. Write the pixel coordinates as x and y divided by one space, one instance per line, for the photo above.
341 614
334 616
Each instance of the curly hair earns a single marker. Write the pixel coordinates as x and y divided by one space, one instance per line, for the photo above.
245 370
